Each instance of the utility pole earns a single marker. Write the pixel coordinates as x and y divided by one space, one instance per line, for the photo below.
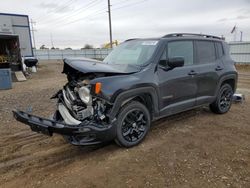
51 39
110 25
32 23
241 36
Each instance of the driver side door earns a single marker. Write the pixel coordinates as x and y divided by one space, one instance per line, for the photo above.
178 86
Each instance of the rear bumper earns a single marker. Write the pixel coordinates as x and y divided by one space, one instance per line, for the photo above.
86 133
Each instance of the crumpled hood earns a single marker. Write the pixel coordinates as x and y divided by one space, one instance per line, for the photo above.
86 65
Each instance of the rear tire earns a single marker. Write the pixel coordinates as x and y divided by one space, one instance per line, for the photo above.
223 101
133 124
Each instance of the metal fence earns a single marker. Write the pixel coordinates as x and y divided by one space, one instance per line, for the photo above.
240 52
61 54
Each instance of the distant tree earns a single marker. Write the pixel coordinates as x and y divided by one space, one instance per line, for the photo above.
43 47
68 48
53 48
87 46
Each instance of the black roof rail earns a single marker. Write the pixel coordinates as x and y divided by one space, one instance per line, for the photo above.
192 34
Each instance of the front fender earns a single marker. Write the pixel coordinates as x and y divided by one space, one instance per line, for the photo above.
121 97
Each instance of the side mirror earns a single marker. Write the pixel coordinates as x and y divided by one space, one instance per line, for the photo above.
163 63
175 62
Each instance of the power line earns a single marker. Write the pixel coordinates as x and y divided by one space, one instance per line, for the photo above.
60 8
65 6
129 5
96 13
120 2
86 17
87 6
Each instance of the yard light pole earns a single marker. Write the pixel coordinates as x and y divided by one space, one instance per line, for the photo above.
110 25
32 23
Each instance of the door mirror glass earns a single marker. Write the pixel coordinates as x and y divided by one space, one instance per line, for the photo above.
175 62
163 63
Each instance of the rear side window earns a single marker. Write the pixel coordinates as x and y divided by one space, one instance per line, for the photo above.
219 49
182 49
205 52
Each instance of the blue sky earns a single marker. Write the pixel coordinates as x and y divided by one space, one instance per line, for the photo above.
73 23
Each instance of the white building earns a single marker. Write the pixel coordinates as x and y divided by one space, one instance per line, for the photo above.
15 30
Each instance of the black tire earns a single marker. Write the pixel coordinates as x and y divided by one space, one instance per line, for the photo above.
133 124
223 101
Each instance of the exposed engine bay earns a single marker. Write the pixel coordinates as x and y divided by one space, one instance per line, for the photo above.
76 104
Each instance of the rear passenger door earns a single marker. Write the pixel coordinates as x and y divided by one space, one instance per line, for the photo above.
210 67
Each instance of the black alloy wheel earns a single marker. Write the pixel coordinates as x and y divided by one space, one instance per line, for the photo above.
133 123
224 100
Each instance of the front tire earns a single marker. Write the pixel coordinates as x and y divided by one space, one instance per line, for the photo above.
223 101
133 124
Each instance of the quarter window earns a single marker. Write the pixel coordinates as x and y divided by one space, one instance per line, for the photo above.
205 52
219 49
182 49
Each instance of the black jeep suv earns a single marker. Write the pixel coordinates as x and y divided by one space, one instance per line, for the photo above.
140 81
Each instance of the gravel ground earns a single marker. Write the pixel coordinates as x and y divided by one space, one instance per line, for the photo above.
192 149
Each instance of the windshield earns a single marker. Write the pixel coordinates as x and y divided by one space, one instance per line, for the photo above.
135 52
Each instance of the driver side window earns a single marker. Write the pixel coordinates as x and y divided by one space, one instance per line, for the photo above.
182 49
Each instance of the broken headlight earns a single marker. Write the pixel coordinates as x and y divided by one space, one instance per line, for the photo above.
84 94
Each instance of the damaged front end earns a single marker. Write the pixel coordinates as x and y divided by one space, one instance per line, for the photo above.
81 115
78 107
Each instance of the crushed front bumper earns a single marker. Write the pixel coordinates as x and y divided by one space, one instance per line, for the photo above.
86 133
